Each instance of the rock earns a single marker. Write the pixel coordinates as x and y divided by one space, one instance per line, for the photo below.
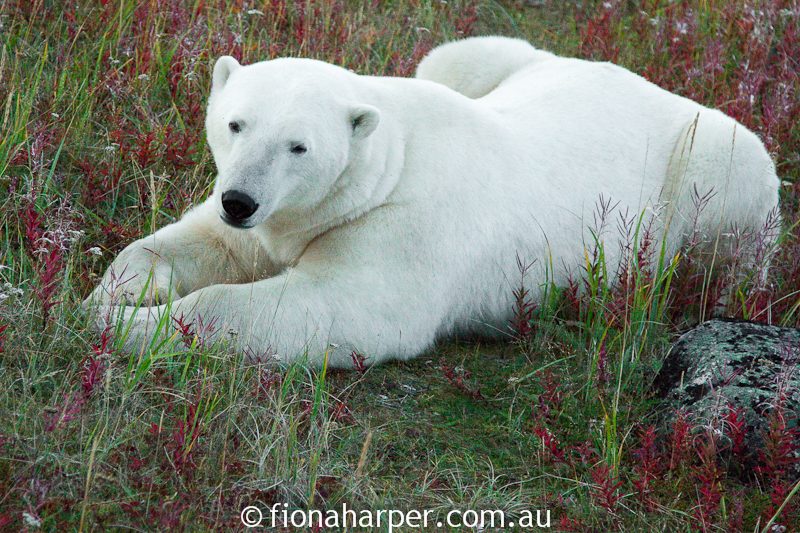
725 364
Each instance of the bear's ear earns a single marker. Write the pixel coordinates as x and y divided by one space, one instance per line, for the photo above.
363 120
223 68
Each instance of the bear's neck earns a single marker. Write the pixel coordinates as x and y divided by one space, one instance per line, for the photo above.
365 184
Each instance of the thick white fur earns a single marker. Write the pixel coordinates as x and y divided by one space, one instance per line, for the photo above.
403 221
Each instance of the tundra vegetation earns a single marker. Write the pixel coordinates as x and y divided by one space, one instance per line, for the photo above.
102 142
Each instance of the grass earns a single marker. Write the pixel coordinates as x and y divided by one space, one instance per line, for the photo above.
102 142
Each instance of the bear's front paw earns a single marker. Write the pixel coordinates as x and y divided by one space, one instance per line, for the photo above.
140 288
138 276
137 328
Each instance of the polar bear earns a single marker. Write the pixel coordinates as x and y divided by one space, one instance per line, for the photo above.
378 214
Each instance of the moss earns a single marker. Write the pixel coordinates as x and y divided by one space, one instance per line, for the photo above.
724 363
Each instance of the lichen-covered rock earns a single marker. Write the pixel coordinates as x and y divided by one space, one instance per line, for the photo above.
724 364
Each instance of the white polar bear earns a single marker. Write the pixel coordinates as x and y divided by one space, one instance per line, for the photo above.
378 214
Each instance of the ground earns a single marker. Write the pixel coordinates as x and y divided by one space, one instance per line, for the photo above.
102 142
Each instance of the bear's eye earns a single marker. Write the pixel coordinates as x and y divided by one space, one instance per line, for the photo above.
234 126
298 148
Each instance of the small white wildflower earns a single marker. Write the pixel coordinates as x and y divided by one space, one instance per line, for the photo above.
31 520
95 250
110 148
114 61
191 76
143 77
254 12
608 5
682 27
55 115
9 291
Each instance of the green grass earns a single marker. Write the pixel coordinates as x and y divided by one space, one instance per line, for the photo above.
101 141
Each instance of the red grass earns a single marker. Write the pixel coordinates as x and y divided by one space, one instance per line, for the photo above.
605 491
550 443
524 307
94 366
341 412
182 446
708 476
185 329
648 466
680 438
603 374
62 415
780 453
198 332
359 362
47 255
267 380
457 377
549 402
3 328
781 439
736 429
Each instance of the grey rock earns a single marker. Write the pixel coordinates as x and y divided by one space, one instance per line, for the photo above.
725 364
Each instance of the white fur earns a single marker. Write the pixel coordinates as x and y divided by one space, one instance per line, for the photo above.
403 221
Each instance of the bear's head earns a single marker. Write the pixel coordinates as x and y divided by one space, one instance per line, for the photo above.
282 133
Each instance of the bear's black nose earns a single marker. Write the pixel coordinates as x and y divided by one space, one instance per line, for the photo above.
238 205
